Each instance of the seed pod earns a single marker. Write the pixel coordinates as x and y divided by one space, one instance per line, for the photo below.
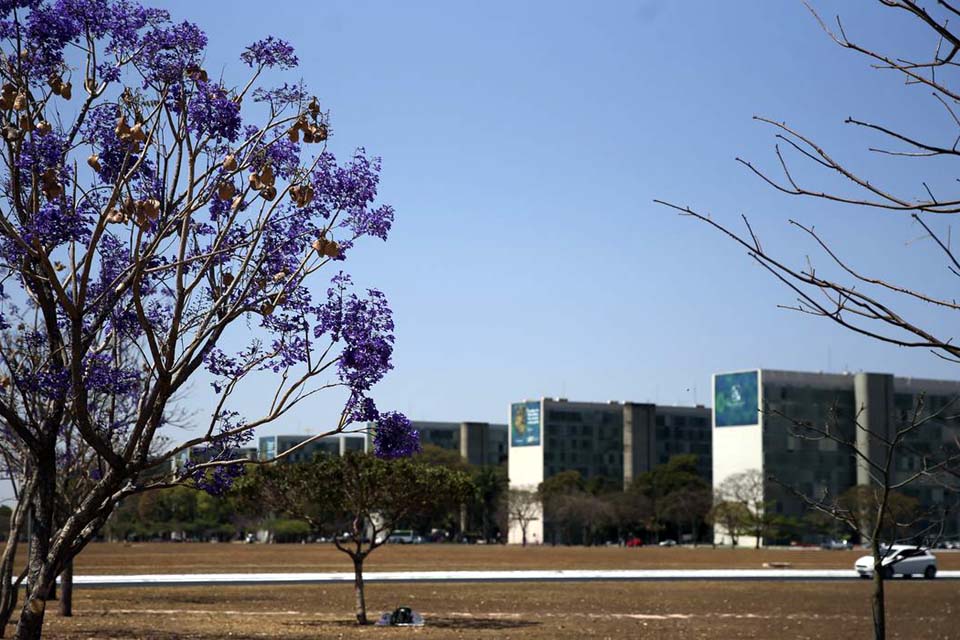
58 266
332 250
301 194
319 132
56 83
151 208
269 193
66 91
237 202
44 127
266 309
6 103
26 124
10 133
94 162
226 190
314 107
115 216
227 279
266 176
280 276
20 101
254 181
122 130
4 382
230 163
294 134
308 136
137 134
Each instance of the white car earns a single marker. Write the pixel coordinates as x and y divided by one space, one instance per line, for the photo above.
901 559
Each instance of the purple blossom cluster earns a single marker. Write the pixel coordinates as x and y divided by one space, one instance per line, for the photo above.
213 112
270 52
395 437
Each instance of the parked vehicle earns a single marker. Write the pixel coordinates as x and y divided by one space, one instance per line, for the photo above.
901 559
401 536
634 542
668 543
836 544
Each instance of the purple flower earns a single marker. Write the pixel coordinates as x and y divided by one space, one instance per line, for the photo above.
395 437
270 52
169 51
211 111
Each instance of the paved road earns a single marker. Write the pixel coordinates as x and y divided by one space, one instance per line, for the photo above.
195 579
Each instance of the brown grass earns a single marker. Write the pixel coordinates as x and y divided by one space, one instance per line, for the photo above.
919 609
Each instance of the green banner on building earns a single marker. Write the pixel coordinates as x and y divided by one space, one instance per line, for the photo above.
735 399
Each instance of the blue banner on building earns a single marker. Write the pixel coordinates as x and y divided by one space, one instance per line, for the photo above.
525 424
735 399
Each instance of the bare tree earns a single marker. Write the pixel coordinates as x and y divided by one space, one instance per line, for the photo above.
747 488
523 507
891 463
882 307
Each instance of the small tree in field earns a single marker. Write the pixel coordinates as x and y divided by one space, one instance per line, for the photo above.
732 516
523 507
157 222
359 499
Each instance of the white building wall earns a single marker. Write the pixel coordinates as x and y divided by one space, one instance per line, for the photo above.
736 449
525 469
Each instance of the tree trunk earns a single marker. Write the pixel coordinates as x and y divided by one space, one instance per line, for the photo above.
358 589
66 590
39 572
877 599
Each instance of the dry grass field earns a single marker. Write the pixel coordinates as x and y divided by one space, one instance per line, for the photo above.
524 611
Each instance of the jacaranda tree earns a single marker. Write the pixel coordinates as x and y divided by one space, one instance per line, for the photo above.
149 208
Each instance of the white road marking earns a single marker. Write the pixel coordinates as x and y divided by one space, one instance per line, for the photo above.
579 575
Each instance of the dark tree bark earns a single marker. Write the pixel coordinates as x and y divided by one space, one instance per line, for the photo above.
66 590
361 603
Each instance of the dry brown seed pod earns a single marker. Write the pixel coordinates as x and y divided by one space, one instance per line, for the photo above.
129 206
115 216
269 193
151 207
320 132
280 276
227 279
4 381
314 107
122 130
136 133
66 91
6 103
58 266
20 102
26 124
44 127
237 202
94 162
332 249
294 134
226 190
266 309
10 133
8 90
266 176
254 181
230 163
308 136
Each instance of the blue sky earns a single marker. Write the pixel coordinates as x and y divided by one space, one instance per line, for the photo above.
523 144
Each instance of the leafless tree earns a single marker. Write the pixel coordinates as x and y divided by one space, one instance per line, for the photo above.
523 507
883 307
747 488
891 464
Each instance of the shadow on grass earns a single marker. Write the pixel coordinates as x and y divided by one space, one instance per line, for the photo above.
453 623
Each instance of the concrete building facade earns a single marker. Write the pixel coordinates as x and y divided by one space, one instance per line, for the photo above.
337 445
479 443
615 441
756 425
